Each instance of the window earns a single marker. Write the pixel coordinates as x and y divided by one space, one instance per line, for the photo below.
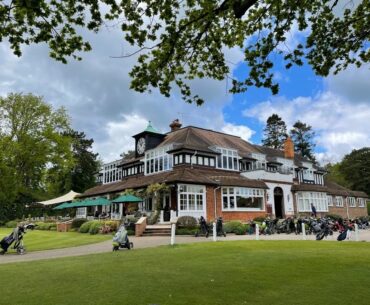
330 201
228 159
319 200
158 160
240 199
352 202
339 201
361 202
191 197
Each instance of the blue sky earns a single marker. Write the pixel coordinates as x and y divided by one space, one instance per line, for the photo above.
96 94
297 81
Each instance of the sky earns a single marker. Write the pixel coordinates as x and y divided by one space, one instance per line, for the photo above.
96 94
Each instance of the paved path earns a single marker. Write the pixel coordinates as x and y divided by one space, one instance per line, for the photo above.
154 241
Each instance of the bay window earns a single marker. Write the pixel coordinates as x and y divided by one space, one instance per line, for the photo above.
241 199
191 197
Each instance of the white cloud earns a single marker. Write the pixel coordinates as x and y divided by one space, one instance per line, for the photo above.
96 92
340 126
238 130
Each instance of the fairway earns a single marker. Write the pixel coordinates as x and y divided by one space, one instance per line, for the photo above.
46 240
243 272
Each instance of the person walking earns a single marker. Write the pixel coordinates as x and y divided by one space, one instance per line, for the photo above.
313 209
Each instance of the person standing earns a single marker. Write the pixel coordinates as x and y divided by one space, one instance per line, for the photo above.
313 209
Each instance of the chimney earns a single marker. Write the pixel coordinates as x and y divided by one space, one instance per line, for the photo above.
288 148
175 125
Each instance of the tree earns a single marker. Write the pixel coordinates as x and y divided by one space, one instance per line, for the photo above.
355 167
182 40
302 137
34 150
334 174
275 132
86 163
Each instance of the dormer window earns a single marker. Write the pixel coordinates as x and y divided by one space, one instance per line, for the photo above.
158 160
228 159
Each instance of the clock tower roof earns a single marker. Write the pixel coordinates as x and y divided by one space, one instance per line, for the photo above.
150 128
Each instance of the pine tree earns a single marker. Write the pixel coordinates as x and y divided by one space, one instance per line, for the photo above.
302 137
275 132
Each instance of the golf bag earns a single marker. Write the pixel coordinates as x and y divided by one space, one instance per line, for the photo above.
15 237
342 236
203 228
120 239
219 227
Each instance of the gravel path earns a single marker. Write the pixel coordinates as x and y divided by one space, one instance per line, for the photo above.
154 241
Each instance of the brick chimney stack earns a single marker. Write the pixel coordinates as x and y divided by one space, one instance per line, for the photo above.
288 148
175 125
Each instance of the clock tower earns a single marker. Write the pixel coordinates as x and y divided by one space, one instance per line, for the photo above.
147 139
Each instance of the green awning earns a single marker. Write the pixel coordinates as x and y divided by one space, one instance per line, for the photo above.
64 205
98 201
84 203
127 198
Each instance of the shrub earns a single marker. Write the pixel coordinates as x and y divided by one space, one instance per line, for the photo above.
259 219
11 224
334 216
85 227
112 224
187 222
95 227
186 231
131 232
368 208
235 227
77 222
45 226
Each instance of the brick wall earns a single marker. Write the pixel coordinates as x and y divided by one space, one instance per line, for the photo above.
353 212
226 216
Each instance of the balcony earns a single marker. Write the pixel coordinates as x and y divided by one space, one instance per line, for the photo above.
284 175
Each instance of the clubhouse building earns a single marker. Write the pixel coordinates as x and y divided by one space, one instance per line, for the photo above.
211 174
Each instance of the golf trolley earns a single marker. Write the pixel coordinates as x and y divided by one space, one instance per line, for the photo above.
120 239
16 237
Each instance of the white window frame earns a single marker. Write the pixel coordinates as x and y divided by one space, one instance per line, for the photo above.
330 201
155 156
339 202
227 154
352 202
231 193
191 191
318 199
361 202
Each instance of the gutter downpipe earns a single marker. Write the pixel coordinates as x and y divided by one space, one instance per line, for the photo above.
215 201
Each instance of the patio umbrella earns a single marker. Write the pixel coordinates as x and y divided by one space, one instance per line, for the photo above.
98 201
127 199
64 205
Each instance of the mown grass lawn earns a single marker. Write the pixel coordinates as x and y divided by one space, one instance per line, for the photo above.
227 273
45 240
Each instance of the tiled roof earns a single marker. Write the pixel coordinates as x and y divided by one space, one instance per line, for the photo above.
309 188
330 187
336 189
203 139
181 174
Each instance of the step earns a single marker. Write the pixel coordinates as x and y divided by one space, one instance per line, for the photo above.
158 231
156 234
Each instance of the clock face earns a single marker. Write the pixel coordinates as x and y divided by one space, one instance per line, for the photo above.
140 148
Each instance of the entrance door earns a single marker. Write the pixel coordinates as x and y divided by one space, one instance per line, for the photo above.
279 202
166 207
